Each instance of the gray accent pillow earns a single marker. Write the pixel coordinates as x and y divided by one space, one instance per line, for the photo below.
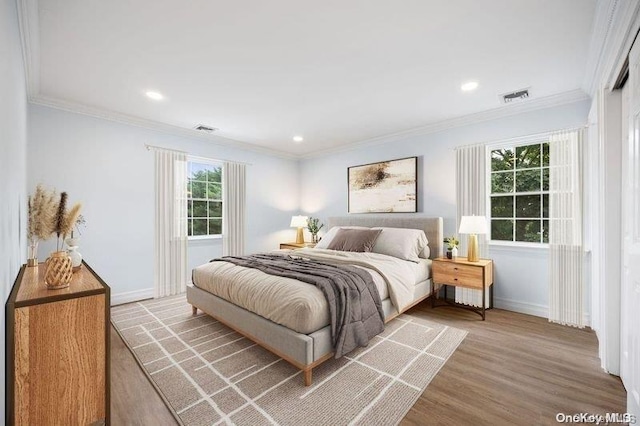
360 240
328 237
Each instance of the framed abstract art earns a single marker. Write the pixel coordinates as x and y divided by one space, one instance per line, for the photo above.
384 187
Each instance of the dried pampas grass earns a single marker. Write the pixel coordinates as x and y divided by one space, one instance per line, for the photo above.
43 205
65 221
62 209
70 219
48 215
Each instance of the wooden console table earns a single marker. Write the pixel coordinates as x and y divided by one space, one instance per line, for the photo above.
58 350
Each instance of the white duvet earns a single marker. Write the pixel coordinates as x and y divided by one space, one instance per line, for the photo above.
300 306
399 274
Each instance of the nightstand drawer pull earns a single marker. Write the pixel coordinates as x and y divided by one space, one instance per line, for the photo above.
455 279
455 269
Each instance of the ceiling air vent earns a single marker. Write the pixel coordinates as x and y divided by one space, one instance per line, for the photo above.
518 95
205 129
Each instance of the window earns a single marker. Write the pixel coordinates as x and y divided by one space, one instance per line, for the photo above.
519 195
204 199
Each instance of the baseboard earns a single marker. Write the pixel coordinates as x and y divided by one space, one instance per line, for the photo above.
531 309
132 296
522 307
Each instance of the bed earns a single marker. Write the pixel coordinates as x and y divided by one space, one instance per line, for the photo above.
298 331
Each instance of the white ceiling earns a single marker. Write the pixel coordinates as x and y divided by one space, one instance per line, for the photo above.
336 72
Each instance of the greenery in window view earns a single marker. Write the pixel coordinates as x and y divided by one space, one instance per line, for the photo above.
204 199
519 193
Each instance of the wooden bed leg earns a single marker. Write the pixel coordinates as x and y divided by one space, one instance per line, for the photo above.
194 310
308 374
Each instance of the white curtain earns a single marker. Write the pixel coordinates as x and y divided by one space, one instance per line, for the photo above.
234 184
471 200
566 290
170 222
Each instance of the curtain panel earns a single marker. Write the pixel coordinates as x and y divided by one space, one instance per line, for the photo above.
471 199
566 281
234 204
170 222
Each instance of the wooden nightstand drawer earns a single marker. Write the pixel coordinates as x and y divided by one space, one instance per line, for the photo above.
458 274
296 245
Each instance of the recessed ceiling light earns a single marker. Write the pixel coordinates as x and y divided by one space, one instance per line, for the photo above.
469 86
154 95
298 138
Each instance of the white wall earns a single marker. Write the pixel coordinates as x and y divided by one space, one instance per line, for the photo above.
13 143
202 251
104 165
521 281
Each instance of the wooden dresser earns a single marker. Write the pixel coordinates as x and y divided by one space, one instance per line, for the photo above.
58 350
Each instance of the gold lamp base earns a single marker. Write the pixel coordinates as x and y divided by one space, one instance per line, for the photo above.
472 248
300 236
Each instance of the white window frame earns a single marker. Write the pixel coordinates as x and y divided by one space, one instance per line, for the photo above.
510 143
212 162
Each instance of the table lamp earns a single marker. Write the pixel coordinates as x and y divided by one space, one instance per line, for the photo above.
473 225
299 222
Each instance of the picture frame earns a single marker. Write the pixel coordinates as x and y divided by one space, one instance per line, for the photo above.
384 187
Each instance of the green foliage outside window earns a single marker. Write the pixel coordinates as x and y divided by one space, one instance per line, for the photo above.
204 199
520 193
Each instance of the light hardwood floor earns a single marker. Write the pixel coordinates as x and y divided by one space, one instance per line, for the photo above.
510 369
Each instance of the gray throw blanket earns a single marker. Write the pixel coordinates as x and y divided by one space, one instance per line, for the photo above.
355 308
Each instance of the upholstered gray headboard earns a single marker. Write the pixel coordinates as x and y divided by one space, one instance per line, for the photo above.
432 227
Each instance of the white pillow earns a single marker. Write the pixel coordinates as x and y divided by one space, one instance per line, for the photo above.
403 243
326 238
426 252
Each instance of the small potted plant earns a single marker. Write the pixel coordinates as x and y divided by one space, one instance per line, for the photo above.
314 226
452 247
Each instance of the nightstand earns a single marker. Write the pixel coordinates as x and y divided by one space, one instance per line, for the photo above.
462 273
296 245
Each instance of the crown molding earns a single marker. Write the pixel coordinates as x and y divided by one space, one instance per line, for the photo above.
615 25
28 24
466 120
118 117
492 114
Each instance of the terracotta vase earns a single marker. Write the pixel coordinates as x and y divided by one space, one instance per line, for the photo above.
59 270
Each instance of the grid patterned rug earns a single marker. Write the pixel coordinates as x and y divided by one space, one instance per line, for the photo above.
208 374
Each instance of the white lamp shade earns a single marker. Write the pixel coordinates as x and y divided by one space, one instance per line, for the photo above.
298 221
473 225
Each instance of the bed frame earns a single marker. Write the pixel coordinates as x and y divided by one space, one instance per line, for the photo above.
307 351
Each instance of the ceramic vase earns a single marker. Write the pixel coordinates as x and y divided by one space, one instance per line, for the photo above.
454 252
74 254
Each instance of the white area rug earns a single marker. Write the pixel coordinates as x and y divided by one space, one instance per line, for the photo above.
208 374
